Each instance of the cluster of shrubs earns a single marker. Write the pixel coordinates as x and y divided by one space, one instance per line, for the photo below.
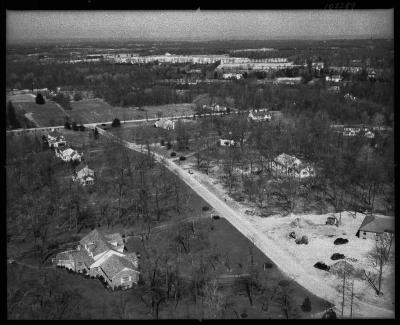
74 126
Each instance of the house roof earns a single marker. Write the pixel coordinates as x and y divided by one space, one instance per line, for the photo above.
82 256
115 237
115 264
96 242
76 255
85 171
259 113
287 160
377 223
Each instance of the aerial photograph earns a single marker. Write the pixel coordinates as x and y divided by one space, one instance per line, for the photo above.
200 164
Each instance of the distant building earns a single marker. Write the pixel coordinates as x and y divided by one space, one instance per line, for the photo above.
287 165
102 256
227 143
351 131
333 78
371 75
369 134
236 76
350 97
375 225
288 81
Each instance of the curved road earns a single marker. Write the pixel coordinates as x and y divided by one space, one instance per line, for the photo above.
307 278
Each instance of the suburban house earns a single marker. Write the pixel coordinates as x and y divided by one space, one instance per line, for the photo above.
215 108
227 143
102 256
287 165
85 176
371 75
374 225
350 97
68 155
260 115
165 124
55 140
369 134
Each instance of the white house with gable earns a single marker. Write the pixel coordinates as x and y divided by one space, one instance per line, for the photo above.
85 176
165 124
287 165
68 155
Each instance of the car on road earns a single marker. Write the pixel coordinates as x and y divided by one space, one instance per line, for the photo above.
249 212
173 154
190 171
11 261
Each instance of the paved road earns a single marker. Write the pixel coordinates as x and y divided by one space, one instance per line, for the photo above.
308 278
92 125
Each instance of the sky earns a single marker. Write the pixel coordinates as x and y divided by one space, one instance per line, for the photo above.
199 24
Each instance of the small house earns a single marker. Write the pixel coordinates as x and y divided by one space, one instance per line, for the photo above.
85 176
369 134
374 225
259 115
227 143
68 155
165 124
287 165
55 139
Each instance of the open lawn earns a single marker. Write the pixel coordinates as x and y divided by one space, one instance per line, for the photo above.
97 110
49 114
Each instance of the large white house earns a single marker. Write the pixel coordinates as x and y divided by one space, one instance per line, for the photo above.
102 256
68 155
165 124
85 176
287 165
259 115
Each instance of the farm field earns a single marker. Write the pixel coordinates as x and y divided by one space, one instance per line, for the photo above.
49 114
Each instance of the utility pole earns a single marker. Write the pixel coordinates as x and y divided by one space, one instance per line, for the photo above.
343 287
352 298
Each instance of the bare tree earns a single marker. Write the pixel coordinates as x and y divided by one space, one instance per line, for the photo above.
380 256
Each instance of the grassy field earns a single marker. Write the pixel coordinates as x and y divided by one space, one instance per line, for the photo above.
96 110
48 114
169 110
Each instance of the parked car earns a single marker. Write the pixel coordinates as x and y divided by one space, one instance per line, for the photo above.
10 261
190 171
173 154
